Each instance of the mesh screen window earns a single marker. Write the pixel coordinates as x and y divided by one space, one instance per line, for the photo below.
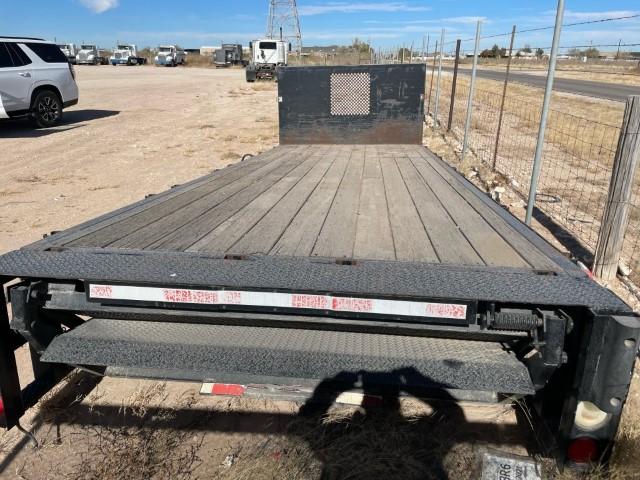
350 94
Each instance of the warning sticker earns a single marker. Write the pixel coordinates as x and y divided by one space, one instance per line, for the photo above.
504 466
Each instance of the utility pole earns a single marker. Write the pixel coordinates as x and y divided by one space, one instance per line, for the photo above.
284 21
618 54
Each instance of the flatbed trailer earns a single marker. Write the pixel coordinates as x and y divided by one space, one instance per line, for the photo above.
348 257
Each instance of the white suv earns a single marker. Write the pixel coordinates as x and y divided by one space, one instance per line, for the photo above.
36 80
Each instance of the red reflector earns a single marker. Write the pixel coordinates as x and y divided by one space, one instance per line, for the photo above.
1 407
583 450
227 389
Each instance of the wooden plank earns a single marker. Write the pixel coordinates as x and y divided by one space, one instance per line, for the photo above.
227 233
521 244
112 228
450 245
616 215
337 235
112 217
410 237
264 234
301 235
373 237
491 247
179 221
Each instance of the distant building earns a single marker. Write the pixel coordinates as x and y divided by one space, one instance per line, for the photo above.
208 51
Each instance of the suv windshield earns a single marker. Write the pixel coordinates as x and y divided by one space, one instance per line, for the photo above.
267 45
124 47
88 47
165 49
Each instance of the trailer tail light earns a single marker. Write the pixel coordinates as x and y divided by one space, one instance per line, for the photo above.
223 389
582 450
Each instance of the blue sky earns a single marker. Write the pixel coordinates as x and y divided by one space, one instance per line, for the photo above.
194 23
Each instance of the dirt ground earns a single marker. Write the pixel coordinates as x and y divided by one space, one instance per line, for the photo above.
138 131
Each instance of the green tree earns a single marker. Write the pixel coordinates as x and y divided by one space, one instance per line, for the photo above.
539 53
360 46
591 52
406 52
527 48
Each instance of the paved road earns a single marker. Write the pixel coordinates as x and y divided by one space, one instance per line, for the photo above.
609 91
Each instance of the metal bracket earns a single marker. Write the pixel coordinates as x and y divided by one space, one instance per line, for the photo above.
549 352
26 302
609 357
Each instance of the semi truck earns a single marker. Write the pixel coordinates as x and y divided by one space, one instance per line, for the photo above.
348 258
170 55
91 55
228 54
267 55
126 54
70 50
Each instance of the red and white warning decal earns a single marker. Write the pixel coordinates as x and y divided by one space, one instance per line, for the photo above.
303 301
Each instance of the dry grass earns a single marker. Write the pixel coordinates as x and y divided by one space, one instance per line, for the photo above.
581 139
139 449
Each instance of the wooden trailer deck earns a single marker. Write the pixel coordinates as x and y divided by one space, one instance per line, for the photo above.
375 202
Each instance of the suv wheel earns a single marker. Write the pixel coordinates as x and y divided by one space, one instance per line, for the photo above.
46 110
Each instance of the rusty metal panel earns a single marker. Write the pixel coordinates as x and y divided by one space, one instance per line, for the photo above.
364 104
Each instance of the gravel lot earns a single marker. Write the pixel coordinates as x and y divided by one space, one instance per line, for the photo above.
135 131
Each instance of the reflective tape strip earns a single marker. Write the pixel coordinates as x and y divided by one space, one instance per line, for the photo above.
302 301
226 389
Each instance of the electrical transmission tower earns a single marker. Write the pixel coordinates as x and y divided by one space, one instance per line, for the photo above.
283 20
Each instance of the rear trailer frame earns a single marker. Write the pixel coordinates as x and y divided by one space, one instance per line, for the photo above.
278 321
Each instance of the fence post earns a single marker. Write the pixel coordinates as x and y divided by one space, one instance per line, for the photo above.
453 85
472 87
433 71
436 107
616 212
537 159
504 97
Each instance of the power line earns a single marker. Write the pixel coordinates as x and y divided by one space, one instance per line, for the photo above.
610 45
551 27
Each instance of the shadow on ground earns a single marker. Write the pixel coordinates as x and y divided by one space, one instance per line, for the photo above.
22 128
193 439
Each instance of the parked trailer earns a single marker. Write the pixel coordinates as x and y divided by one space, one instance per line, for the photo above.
349 257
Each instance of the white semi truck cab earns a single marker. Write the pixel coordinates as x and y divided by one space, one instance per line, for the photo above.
126 54
91 55
266 56
170 55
